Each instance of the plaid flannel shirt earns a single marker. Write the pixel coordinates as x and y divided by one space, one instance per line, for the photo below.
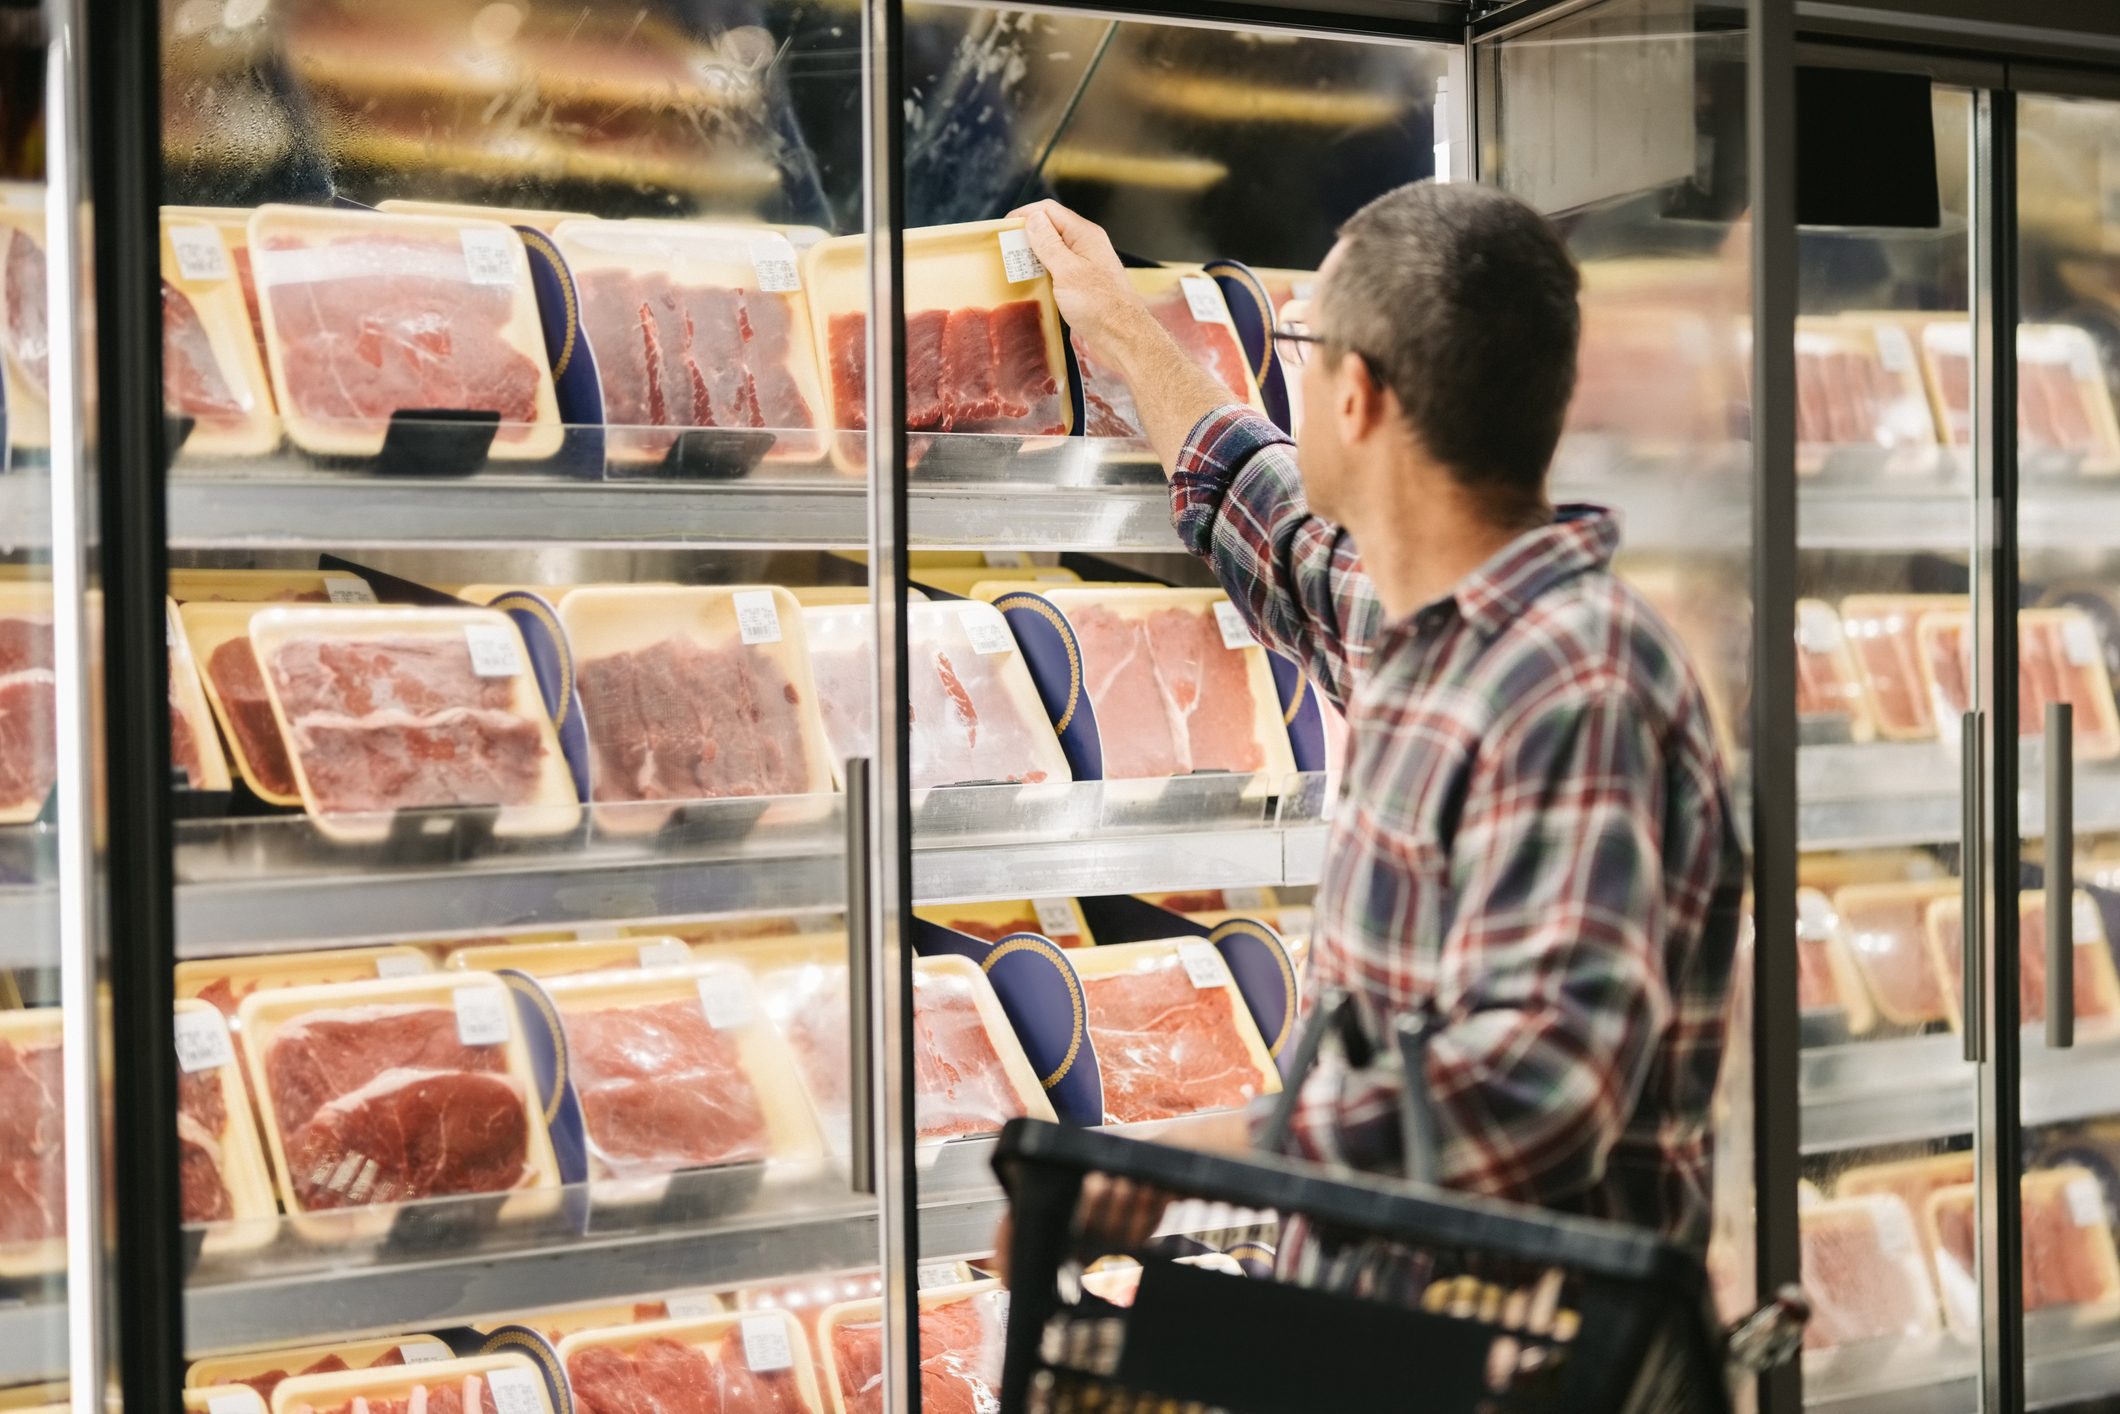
1532 846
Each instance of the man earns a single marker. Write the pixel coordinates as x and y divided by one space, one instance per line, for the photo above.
1533 844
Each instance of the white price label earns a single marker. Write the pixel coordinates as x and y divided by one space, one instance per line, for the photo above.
1894 350
596 932
1895 1230
481 1015
347 589
987 630
1253 897
496 649
516 1391
417 1354
664 952
2082 359
1006 559
2083 922
1203 298
1056 917
1018 261
202 1041
691 1306
774 260
200 254
1818 629
2079 640
228 1404
757 616
765 1344
1202 963
936 1274
489 259
397 964
725 996
2086 1204
1235 632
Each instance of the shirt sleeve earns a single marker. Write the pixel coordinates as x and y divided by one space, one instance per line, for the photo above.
1237 503
1550 990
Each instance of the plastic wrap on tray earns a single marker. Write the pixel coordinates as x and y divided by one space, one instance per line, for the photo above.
1828 687
1911 1181
1859 386
1885 929
1864 1274
2068 1245
1188 303
962 1330
481 1384
29 743
975 715
262 1370
25 331
212 371
1825 976
2060 659
1883 638
1171 1031
233 224
728 1363
2097 986
2064 408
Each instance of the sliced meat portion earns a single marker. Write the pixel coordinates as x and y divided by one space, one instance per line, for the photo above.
393 762
2068 1244
1166 1047
411 1134
316 1057
192 381
1887 935
1207 685
959 1374
237 680
29 761
681 721
661 1089
355 676
1171 698
966 370
32 1142
662 1376
1862 1270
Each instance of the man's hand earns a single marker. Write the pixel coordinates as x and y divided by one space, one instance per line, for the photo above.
1088 281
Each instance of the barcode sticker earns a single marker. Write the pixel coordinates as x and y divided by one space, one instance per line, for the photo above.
1018 261
2083 922
200 253
774 260
229 1404
1056 917
1894 350
725 996
347 589
935 1274
1006 559
987 630
664 952
481 1016
489 259
2079 640
1203 298
1202 963
418 1354
397 964
692 1305
1818 628
202 1041
496 649
757 616
1235 632
1251 897
515 1391
2086 1204
765 1343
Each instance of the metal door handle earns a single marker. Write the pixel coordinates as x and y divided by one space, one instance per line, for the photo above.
2060 876
1972 788
861 985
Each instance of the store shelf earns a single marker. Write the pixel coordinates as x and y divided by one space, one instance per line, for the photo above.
1882 794
1936 514
1868 1093
2071 1356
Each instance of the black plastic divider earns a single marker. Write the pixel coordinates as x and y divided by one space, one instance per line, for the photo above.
437 442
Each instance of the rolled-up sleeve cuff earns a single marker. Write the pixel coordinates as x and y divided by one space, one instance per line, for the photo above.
1348 1118
1221 445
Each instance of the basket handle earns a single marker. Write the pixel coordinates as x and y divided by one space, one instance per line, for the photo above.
1421 1148
1335 1014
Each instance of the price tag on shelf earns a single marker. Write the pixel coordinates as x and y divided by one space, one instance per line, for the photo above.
2079 640
1235 632
1056 917
765 1343
1204 298
691 1305
1818 628
496 649
1006 559
489 259
757 616
1202 963
987 630
419 1353
1248 897
2086 1203
515 1390
935 1274
202 1041
1894 349
201 256
347 589
725 996
664 952
397 964
1018 261
774 260
481 1015
228 1404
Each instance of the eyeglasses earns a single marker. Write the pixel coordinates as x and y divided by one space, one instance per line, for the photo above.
1295 346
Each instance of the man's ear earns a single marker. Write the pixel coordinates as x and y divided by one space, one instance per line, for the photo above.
1365 402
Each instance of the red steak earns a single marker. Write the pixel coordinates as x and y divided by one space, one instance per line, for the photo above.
1207 685
1166 1047
678 721
954 1369
313 1059
26 334
234 669
416 675
29 761
959 1084
966 370
661 1089
411 1134
192 381
202 1196
660 1376
32 1142
1862 1275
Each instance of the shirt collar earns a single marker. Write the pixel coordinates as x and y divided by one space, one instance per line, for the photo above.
1580 537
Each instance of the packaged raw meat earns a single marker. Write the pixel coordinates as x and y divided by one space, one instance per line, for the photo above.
224 1399
368 315
262 1370
677 1068
970 1075
733 1363
571 959
1188 303
1859 386
385 1092
2064 409
212 371
975 714
2068 1245
982 334
220 1163
32 1144
29 742
232 223
214 586
1173 681
1648 373
194 745
2097 986
961 1340
473 1385
25 338
695 325
2059 659
533 217
1911 1181
1171 1031
398 708
1885 929
1828 688
1882 637
1863 1271
1058 919
693 694
1825 978
224 982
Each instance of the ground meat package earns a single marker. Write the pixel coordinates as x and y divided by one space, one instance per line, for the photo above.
212 371
368 315
1152 682
969 1071
693 694
1911 1181
1188 303
1829 690
2065 414
1886 932
385 1092
695 325
677 1067
731 1363
483 1384
25 338
1860 395
962 1335
194 745
2068 1246
2097 986
976 717
982 333
1883 638
570 959
262 1370
1864 1273
2060 659
29 743
1171 1031
1826 979
395 708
